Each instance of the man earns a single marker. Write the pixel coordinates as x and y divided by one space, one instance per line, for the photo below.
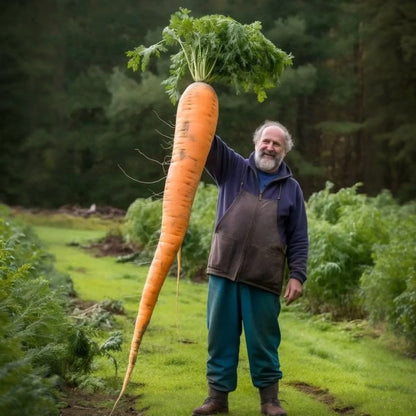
261 224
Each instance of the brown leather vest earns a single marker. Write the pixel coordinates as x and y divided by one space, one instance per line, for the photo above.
246 244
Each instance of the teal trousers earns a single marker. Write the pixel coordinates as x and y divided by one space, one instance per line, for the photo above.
232 307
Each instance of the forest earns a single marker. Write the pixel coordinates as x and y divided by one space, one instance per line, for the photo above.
79 127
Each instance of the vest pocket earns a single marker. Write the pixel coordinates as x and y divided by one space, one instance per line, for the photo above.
222 259
263 267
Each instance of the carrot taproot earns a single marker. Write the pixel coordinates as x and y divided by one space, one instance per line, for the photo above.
195 126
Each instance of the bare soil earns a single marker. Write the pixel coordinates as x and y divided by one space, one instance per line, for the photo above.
323 396
79 403
112 245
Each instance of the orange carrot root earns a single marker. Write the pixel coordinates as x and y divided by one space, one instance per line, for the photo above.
196 123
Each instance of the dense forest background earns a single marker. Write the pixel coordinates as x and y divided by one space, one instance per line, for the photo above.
77 125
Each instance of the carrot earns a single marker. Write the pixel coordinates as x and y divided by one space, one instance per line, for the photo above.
213 48
196 123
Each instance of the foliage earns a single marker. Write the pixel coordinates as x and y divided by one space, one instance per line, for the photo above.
344 227
40 347
216 48
389 289
390 124
142 222
362 258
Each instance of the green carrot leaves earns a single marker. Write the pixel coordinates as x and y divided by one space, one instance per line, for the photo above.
216 48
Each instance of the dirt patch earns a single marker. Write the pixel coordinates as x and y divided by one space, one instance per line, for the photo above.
112 245
78 403
323 396
319 394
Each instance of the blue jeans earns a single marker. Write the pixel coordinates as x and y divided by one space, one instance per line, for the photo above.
233 306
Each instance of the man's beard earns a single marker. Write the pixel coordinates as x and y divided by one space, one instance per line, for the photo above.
266 164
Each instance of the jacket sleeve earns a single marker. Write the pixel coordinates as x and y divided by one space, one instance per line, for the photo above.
221 161
297 239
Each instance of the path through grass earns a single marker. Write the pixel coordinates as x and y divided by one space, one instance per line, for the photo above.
328 369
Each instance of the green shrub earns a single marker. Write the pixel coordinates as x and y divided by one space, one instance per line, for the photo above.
36 335
344 227
32 327
142 226
389 288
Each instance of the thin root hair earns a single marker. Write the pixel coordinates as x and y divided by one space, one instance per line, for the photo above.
149 158
136 180
166 136
167 123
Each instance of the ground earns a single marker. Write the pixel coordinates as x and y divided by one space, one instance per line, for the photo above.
75 402
78 403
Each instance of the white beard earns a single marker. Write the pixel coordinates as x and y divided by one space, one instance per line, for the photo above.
267 164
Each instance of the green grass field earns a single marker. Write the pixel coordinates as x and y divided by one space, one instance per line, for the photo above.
329 369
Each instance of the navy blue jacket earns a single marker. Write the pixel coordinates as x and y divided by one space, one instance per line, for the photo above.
229 169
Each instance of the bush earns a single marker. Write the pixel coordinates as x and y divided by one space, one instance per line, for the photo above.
344 227
36 336
142 225
389 288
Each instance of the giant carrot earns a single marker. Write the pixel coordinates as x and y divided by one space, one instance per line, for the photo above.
213 48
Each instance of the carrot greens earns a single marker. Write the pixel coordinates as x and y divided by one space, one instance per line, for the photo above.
216 48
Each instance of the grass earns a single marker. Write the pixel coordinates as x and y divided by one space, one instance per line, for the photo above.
329 369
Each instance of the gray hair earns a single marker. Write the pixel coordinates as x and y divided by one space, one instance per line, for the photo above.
288 138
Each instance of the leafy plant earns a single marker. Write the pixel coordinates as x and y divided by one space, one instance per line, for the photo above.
39 345
216 48
142 222
389 288
344 229
84 350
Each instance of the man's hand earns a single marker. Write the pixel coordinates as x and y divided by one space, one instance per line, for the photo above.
293 291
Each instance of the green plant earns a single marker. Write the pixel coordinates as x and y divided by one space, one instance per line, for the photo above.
39 345
389 288
216 48
142 222
344 229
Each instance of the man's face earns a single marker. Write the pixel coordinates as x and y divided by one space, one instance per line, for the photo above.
270 149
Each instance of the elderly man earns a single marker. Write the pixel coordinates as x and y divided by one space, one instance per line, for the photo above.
261 225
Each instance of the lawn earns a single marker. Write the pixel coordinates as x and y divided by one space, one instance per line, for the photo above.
329 369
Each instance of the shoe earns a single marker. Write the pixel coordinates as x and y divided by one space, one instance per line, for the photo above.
272 408
211 406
